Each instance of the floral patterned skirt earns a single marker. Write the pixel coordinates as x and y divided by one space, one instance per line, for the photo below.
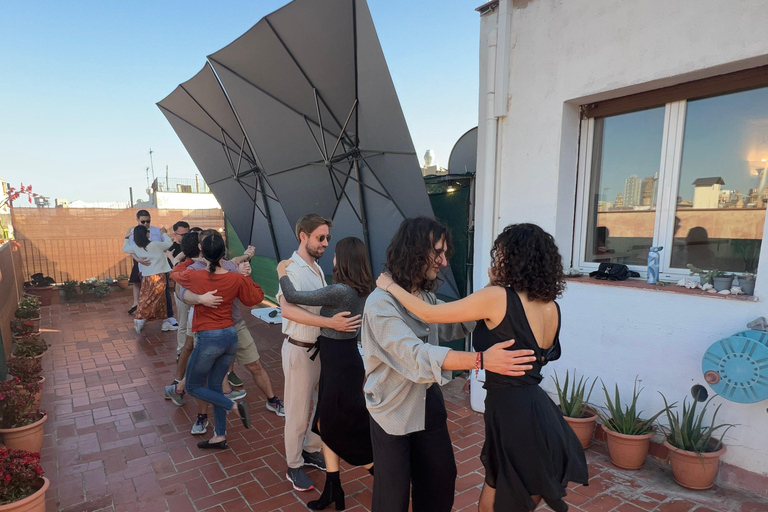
152 304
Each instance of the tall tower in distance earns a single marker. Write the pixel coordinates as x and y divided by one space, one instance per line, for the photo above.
632 189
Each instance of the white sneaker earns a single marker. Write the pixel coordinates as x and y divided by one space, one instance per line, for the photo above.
168 326
138 325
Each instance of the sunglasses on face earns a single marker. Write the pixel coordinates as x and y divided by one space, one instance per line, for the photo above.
145 221
323 238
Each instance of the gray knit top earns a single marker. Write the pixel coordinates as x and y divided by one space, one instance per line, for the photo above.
334 299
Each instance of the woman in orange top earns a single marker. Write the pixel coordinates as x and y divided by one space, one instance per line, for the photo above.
216 343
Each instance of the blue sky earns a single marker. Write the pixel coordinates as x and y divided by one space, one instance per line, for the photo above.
80 80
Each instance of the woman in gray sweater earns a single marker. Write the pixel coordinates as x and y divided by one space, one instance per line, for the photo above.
341 418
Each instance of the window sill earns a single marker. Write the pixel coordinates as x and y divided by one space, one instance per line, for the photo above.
670 287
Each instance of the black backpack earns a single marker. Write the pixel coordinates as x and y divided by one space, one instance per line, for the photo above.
613 272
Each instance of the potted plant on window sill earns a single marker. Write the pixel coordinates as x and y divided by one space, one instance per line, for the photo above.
21 423
722 281
747 283
28 370
23 485
705 276
122 281
42 286
575 406
694 453
627 434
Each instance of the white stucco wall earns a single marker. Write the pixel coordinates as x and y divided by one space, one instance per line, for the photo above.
562 54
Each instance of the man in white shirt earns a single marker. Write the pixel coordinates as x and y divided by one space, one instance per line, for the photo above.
301 326
143 219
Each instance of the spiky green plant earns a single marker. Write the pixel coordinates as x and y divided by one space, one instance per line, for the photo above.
573 403
627 420
688 432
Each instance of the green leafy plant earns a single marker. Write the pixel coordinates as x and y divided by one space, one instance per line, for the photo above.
627 420
22 327
29 307
20 475
17 403
70 289
29 346
688 431
123 276
707 274
720 273
101 288
27 369
573 403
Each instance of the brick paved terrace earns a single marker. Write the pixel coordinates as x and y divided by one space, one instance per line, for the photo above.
112 443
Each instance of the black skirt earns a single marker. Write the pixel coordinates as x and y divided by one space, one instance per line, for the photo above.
341 419
529 448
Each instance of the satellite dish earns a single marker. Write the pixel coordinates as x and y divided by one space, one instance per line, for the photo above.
463 158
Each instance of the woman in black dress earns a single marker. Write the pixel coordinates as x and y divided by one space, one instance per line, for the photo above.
341 418
530 452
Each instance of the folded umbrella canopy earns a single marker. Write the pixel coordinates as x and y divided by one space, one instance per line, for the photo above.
316 126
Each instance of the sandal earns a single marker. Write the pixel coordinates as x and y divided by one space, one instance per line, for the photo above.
220 445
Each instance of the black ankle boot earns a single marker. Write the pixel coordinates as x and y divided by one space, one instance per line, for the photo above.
557 505
331 493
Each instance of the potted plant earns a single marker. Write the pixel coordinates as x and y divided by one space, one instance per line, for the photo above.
628 435
722 281
28 370
694 453
22 327
101 288
21 423
30 346
122 281
575 406
71 290
22 484
747 283
42 286
29 309
705 276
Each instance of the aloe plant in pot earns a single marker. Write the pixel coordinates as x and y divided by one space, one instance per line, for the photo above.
694 452
627 433
574 404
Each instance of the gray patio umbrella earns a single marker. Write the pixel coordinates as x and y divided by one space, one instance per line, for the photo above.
201 115
318 112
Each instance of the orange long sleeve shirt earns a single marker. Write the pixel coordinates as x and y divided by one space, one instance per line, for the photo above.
230 286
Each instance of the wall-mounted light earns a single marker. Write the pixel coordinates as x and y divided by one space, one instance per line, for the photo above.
450 189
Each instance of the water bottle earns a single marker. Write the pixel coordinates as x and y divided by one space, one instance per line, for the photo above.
653 265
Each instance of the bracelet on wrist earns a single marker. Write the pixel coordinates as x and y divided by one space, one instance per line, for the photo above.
478 363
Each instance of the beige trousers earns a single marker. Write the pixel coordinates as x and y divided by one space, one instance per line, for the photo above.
302 376
183 318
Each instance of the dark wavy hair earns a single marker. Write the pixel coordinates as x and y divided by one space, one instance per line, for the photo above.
141 236
352 267
189 245
410 251
214 250
526 258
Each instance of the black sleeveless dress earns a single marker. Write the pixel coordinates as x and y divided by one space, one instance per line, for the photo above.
529 448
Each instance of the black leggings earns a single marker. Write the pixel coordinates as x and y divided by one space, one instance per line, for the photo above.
422 459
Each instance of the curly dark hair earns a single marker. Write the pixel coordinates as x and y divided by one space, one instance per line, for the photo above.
526 258
411 250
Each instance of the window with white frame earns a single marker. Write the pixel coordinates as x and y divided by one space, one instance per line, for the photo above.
687 175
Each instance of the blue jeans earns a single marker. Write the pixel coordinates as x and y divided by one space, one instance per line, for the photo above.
209 362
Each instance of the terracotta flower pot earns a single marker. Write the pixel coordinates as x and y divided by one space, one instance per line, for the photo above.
28 438
122 283
44 293
627 452
694 471
583 427
33 503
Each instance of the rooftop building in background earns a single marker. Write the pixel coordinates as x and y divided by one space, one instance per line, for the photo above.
430 167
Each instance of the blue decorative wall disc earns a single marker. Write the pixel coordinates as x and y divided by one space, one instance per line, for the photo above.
736 367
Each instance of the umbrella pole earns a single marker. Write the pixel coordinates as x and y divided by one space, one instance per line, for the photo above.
269 215
363 217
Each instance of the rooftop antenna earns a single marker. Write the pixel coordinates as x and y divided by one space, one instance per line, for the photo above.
152 165
147 171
